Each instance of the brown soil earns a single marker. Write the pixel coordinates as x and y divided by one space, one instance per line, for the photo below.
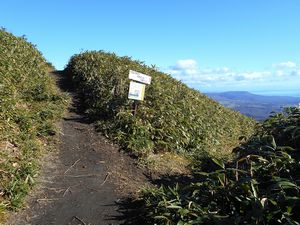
85 181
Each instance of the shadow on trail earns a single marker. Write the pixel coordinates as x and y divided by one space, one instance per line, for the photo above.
134 211
65 83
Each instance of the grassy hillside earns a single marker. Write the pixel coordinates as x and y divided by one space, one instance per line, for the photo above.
29 105
260 186
172 118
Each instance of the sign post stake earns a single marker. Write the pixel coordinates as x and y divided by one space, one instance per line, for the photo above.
135 107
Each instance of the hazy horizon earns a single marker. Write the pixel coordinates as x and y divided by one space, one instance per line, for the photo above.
264 93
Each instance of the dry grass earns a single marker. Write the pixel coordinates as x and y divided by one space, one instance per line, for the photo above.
168 163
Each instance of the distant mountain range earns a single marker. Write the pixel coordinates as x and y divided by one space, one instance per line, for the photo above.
258 107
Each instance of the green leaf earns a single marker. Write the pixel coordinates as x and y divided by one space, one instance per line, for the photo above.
203 173
161 217
174 207
181 223
218 162
286 148
253 189
283 185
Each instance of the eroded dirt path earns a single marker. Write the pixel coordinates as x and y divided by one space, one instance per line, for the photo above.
83 181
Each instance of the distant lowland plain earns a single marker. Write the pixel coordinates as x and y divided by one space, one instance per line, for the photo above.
258 107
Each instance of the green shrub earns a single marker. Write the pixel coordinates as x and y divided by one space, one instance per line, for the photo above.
261 186
29 105
172 117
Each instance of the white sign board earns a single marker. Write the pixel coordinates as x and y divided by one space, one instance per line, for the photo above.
140 77
136 91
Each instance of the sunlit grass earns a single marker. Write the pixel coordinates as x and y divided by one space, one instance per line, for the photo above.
172 118
30 104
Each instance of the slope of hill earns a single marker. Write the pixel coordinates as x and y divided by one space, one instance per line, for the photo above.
259 186
29 106
173 117
255 106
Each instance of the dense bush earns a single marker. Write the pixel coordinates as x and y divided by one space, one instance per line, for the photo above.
29 104
172 117
261 186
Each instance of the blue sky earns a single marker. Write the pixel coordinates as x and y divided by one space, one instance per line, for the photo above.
212 45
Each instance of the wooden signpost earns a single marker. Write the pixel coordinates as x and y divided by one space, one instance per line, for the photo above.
137 87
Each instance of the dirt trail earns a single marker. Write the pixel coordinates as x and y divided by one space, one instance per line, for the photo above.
83 181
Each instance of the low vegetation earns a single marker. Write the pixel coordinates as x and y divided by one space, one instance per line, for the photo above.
260 186
29 106
172 118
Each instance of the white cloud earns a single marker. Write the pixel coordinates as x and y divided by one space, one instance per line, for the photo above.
184 67
287 73
186 64
287 65
280 73
295 73
216 71
256 75
188 71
